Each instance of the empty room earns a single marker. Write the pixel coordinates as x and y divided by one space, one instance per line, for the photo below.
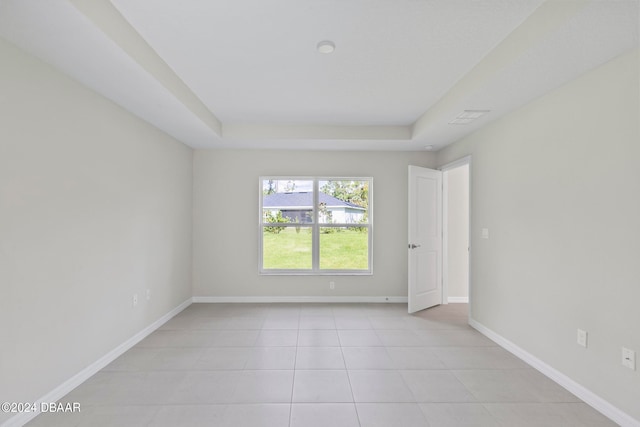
319 213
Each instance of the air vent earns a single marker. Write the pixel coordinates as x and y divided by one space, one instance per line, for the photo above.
468 116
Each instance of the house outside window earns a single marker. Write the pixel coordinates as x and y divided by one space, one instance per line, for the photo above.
315 225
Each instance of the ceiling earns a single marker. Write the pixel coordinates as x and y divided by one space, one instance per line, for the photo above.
247 74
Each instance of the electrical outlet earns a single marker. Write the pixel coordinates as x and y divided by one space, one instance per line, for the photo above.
332 285
148 294
582 338
135 299
628 358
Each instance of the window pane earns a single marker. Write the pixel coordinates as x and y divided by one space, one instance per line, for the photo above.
286 201
286 248
343 202
344 248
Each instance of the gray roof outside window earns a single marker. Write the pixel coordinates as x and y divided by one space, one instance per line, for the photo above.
302 200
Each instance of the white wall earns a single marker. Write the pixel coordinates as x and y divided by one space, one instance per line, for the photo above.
226 217
558 185
458 232
95 205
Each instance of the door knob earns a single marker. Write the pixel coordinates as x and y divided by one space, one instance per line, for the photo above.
413 246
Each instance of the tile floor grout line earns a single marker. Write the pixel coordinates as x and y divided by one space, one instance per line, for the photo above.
293 382
353 398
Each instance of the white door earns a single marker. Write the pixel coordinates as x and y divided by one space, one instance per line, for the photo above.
425 238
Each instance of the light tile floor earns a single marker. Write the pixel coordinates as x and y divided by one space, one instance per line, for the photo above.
309 365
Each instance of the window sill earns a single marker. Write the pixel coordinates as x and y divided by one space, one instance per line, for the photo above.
315 273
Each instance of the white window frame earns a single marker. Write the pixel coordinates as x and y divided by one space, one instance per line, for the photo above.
315 230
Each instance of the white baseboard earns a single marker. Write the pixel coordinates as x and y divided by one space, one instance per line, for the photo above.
453 300
316 299
73 382
593 400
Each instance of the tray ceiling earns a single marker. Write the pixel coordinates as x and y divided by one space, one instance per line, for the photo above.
247 74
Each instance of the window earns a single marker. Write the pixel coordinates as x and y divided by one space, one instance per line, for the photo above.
315 225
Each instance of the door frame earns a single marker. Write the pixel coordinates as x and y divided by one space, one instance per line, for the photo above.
445 226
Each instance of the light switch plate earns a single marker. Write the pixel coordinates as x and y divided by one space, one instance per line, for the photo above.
582 338
628 358
485 233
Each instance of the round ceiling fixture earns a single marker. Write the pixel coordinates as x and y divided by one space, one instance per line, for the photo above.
428 147
326 46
